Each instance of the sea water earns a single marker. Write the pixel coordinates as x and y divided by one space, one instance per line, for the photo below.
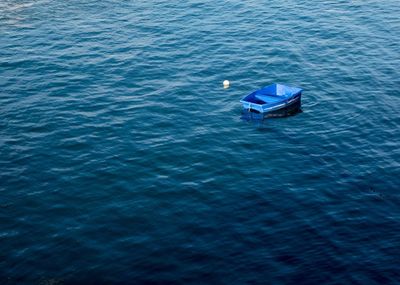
123 160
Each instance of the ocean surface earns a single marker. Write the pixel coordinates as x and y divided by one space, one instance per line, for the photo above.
123 160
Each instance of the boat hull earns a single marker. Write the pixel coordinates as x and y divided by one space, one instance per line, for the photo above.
272 98
290 110
293 103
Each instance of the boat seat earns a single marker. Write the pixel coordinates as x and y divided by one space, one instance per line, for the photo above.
267 98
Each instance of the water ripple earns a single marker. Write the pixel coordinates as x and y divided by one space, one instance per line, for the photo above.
118 144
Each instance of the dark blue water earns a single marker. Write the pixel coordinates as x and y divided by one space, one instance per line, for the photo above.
123 160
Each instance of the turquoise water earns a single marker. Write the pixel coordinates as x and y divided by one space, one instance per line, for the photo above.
123 160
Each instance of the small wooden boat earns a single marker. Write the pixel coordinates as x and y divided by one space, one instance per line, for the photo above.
272 98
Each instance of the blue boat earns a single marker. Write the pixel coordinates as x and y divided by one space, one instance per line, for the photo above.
272 98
